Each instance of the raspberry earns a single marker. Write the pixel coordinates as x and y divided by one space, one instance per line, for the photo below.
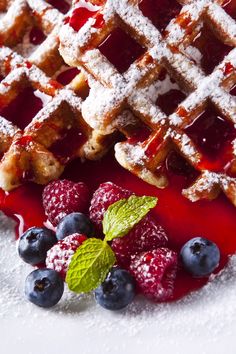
108 193
59 256
63 197
155 273
146 235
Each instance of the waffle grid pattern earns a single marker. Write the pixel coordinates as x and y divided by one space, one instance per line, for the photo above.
115 93
26 153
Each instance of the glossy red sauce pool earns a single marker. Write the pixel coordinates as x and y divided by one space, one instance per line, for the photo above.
182 219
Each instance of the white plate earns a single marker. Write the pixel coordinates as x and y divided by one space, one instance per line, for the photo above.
204 322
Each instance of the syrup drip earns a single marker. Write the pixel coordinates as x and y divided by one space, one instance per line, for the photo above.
121 49
160 12
82 13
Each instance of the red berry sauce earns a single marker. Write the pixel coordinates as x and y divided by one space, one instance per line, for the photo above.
81 14
121 49
213 50
65 77
213 135
182 219
36 36
23 108
230 7
169 101
160 12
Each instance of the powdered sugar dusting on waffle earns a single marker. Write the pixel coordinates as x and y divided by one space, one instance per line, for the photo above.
173 50
61 113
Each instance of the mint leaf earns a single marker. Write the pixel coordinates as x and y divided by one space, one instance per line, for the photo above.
89 265
123 215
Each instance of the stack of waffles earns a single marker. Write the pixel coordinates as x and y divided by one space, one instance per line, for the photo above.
154 77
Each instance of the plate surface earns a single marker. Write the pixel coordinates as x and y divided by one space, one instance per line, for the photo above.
204 322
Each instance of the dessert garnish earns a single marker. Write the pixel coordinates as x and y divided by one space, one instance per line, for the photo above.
200 257
62 197
119 251
44 287
59 256
34 244
117 291
93 260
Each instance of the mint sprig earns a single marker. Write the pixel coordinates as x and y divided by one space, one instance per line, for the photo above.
92 261
89 265
123 215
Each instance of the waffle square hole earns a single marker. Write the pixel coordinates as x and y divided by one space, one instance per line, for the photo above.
160 12
24 107
169 93
66 74
61 5
121 49
2 14
212 50
31 40
69 144
213 135
233 91
176 164
230 7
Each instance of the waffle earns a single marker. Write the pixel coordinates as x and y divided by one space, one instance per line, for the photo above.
125 98
40 151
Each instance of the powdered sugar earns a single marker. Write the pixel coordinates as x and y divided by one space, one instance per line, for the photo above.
208 314
114 89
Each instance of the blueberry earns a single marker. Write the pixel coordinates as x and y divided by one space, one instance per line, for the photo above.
34 244
117 291
74 223
200 257
44 287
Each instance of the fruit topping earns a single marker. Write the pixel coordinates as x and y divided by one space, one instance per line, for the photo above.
155 273
34 244
200 257
63 197
74 223
44 287
107 194
59 256
92 261
145 236
117 291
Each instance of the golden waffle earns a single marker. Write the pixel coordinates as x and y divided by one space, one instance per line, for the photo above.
29 154
118 100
